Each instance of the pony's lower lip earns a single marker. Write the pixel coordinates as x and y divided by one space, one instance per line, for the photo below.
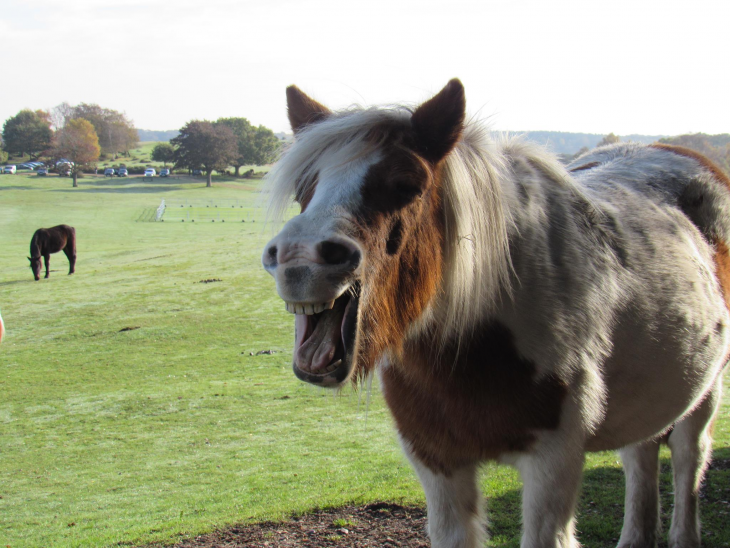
332 378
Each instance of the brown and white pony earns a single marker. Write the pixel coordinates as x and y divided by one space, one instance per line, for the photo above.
514 310
52 240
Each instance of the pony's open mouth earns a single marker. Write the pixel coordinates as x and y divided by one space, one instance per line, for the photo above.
326 339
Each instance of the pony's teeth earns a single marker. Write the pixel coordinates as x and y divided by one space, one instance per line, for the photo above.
308 309
331 367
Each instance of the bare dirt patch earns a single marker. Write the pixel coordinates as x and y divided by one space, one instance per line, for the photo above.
375 525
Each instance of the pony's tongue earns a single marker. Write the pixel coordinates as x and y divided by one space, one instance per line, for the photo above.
318 339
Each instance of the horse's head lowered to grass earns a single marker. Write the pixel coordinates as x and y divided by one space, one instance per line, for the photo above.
35 266
362 261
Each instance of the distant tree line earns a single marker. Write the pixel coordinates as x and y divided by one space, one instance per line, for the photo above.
82 134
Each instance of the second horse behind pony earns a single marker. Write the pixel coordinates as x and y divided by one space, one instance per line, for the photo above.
52 240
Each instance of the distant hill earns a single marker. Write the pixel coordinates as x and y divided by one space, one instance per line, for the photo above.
560 142
150 135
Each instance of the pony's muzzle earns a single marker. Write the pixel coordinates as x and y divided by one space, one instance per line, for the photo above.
311 272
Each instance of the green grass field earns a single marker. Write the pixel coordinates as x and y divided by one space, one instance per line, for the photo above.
133 411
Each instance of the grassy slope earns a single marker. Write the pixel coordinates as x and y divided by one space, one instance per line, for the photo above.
110 436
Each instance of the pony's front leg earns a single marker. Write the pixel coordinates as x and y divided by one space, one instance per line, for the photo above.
691 444
551 476
46 259
641 507
454 504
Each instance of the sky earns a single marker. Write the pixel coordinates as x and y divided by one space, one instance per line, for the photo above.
638 66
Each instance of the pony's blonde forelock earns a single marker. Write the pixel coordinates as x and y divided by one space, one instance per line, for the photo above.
337 140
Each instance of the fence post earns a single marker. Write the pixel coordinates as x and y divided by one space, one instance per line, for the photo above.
160 211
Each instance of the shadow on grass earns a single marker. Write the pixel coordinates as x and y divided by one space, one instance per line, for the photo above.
601 507
13 282
18 187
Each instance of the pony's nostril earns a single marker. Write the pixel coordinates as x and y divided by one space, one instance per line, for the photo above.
272 255
335 253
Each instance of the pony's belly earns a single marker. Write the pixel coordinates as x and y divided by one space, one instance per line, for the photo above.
652 383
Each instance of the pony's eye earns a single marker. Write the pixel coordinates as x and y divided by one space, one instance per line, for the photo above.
405 193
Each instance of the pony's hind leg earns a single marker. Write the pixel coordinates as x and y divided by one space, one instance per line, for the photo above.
691 445
641 509
454 504
71 255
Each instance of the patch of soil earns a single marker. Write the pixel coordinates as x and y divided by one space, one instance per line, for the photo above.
210 280
123 329
373 526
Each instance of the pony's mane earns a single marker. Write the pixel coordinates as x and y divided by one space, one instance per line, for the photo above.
476 261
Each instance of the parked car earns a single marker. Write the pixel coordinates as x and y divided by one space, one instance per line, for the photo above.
24 167
150 172
165 172
10 169
109 172
122 172
197 172
42 171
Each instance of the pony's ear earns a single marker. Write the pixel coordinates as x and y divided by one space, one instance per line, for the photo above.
302 109
437 124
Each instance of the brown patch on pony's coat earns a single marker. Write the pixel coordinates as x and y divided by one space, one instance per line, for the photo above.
585 166
471 400
302 109
402 278
722 269
703 160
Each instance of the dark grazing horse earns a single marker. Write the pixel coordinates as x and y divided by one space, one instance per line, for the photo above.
52 240
514 309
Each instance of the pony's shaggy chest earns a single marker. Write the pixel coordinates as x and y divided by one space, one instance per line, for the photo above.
457 404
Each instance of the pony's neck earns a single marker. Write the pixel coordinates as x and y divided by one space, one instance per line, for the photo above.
35 248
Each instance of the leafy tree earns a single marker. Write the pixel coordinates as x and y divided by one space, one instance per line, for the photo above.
28 132
256 145
117 134
243 130
609 139
3 156
163 152
202 144
266 146
78 142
